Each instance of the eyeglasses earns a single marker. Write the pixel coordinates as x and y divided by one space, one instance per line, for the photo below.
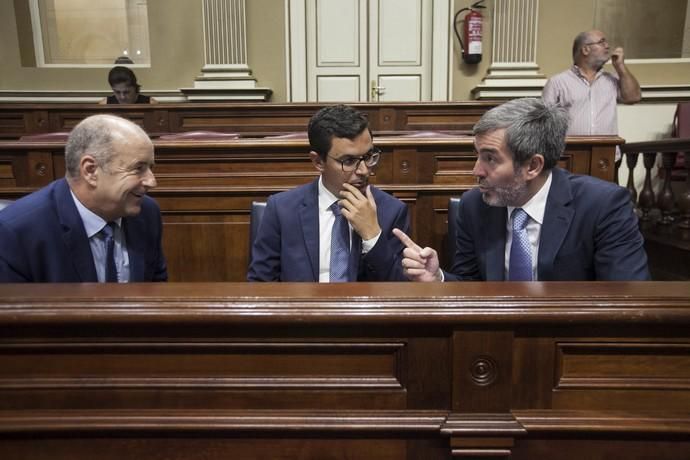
350 163
603 41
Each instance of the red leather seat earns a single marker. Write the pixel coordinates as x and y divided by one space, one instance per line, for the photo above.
199 136
57 136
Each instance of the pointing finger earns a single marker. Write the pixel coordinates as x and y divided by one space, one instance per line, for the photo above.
406 240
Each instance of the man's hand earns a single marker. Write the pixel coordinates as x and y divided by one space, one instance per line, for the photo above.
360 211
418 264
617 58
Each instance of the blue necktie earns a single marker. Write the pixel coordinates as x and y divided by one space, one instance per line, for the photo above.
340 247
110 269
520 267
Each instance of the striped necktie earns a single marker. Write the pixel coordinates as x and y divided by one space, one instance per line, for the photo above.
110 268
340 247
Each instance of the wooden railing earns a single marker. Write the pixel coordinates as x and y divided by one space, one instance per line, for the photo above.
246 119
664 216
393 371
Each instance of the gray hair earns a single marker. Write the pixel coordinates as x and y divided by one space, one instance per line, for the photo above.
532 127
94 136
578 43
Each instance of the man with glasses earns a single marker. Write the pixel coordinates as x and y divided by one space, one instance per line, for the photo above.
338 228
589 92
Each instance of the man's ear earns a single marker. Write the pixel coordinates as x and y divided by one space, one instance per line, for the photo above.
88 170
535 166
317 161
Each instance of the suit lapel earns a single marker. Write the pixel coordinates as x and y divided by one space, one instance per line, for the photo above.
495 243
73 233
135 248
309 220
355 255
558 216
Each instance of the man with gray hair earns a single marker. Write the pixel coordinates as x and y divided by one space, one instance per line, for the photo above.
529 220
94 225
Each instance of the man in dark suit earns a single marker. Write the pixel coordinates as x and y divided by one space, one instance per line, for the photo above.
338 227
94 225
530 220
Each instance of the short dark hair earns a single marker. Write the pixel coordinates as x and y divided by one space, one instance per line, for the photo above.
532 126
335 121
121 74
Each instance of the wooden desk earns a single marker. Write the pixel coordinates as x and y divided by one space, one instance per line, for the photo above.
352 371
205 188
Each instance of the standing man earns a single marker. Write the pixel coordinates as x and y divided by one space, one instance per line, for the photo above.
338 227
589 92
96 224
529 220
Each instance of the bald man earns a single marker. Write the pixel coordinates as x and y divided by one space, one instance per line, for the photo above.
97 224
589 92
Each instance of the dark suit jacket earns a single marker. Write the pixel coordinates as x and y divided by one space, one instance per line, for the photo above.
287 243
590 232
42 239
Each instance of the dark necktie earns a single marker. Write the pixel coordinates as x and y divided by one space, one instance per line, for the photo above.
110 269
340 247
520 266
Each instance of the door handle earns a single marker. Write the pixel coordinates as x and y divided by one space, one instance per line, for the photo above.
376 90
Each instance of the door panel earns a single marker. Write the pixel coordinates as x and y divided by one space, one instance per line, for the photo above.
338 88
400 88
400 52
337 50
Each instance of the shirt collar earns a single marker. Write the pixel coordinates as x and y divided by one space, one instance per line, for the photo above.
576 70
326 198
536 206
93 223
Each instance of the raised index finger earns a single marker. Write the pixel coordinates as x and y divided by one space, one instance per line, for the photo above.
406 240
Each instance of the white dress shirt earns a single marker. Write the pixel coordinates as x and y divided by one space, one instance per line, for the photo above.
93 224
326 220
535 208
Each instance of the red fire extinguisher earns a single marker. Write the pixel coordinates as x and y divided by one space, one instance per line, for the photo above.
471 39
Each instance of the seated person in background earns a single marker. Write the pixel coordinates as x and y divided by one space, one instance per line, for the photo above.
530 220
125 88
96 224
338 227
123 60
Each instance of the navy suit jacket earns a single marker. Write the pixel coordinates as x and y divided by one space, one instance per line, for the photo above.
286 247
589 232
42 239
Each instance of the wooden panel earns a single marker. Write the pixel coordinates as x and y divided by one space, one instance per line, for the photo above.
175 374
623 365
13 124
614 375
